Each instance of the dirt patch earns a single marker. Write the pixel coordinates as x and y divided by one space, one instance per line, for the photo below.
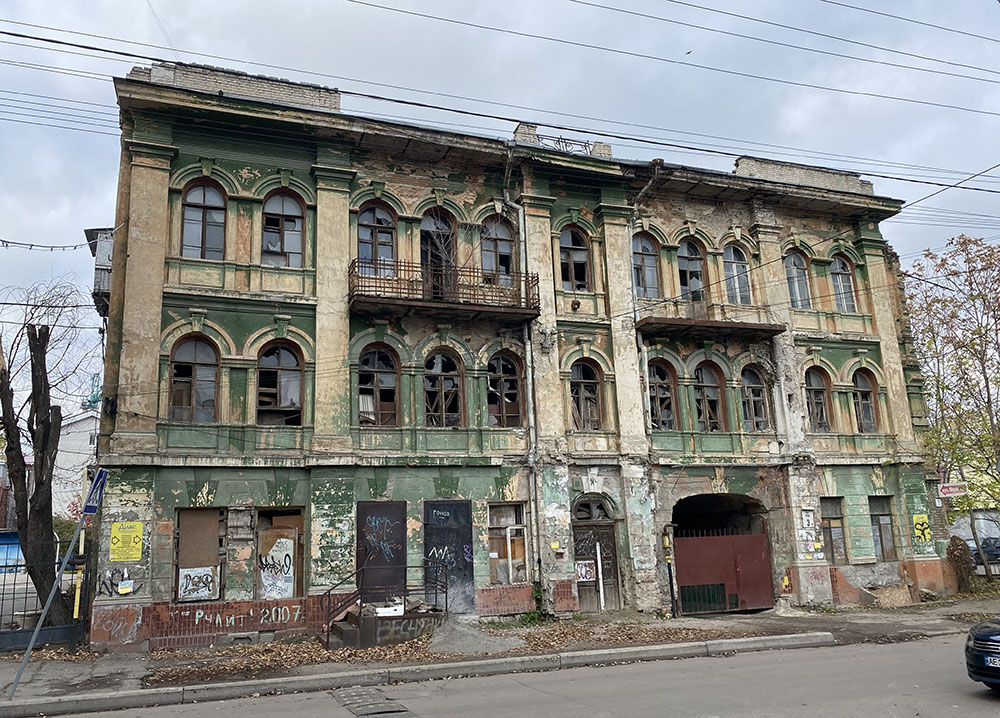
570 635
55 653
972 617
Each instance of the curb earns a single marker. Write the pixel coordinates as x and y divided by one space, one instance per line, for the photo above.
482 667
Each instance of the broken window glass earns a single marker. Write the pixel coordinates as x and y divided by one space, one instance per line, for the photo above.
279 387
442 391
797 277
507 544
662 389
574 260
754 395
690 269
585 396
843 285
376 241
864 404
193 382
497 249
281 240
817 401
377 380
708 401
503 396
737 271
645 266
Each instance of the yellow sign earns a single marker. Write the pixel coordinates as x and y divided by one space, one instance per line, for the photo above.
921 527
126 541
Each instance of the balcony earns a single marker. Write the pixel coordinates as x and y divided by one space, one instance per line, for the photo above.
399 287
699 321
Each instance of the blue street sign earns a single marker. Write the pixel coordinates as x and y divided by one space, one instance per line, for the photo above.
96 492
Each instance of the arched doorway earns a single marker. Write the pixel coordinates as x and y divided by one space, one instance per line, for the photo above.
722 552
596 555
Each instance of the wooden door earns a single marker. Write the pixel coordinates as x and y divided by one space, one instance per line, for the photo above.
586 539
381 549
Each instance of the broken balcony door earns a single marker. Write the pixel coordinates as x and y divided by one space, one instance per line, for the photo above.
448 541
381 549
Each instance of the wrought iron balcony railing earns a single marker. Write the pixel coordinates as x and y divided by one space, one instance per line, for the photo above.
398 283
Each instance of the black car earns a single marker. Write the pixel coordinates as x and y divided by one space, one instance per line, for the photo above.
991 548
982 653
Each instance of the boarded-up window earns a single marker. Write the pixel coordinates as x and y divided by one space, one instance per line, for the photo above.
200 538
508 558
279 553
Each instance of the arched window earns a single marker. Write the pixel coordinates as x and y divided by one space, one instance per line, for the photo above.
204 234
497 250
376 241
590 509
378 385
281 243
797 276
737 271
442 391
843 285
503 394
194 375
691 271
437 254
864 403
279 386
574 261
662 396
708 399
585 396
645 266
754 395
817 400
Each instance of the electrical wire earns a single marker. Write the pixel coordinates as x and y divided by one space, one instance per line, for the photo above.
912 20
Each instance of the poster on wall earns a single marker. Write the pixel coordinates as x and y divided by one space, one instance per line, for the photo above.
276 562
198 584
126 541
586 570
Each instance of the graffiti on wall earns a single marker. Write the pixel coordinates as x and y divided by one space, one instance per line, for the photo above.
118 625
115 582
198 584
378 533
276 577
273 615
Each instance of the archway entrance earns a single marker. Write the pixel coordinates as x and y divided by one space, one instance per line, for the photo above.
596 554
722 552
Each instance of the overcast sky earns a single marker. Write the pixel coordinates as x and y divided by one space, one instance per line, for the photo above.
56 182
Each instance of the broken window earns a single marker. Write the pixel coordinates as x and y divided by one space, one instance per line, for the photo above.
437 254
662 390
645 266
376 241
574 261
831 511
691 271
281 242
737 271
864 403
797 276
378 381
754 395
585 396
708 399
817 401
880 508
193 381
204 229
279 389
279 553
200 553
497 250
442 391
503 396
843 285
507 533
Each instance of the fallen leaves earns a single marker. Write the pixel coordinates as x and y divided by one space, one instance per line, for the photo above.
565 635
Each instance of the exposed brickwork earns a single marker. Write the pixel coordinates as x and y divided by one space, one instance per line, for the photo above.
843 590
505 600
802 174
563 597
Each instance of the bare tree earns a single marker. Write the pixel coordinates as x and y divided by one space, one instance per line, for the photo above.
44 359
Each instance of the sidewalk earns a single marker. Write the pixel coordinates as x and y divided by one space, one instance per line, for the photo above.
105 682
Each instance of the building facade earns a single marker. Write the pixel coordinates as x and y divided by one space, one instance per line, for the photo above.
339 343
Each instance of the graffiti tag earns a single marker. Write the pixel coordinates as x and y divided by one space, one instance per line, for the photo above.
378 536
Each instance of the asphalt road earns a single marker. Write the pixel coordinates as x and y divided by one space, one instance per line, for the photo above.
922 678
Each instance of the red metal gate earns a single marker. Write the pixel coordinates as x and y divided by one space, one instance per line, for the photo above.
723 573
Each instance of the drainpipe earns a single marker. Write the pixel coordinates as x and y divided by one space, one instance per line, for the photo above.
657 165
529 373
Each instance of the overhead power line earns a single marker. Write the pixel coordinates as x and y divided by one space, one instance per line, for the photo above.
912 20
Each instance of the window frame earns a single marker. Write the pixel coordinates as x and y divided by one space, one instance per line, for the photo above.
756 409
577 397
812 392
882 523
285 193
493 527
647 260
505 415
277 409
737 276
203 209
376 264
799 283
216 365
861 402
655 400
568 262
377 411
442 412
832 521
489 246
686 273
703 421
840 294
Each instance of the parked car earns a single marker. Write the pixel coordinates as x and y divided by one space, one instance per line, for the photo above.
991 548
982 653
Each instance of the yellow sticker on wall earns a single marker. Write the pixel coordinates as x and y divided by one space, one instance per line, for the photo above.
126 541
921 527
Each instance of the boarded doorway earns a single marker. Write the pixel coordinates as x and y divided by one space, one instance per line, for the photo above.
593 536
723 554
448 540
381 551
